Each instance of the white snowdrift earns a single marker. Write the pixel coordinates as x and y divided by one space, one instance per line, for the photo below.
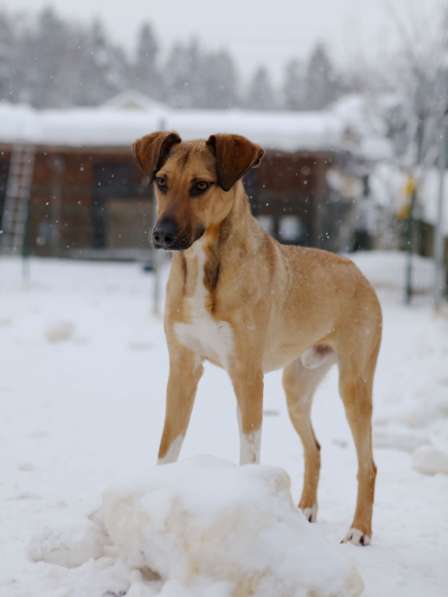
430 461
70 546
206 527
386 270
60 331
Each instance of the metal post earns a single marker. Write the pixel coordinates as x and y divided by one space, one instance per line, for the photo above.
58 167
411 228
439 238
410 237
155 265
155 254
26 245
26 249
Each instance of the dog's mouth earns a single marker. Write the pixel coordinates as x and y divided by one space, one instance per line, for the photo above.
178 243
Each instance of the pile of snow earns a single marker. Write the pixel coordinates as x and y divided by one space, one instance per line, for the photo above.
429 461
70 546
386 270
206 527
411 381
60 331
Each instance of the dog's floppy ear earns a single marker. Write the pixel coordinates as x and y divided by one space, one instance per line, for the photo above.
234 156
152 150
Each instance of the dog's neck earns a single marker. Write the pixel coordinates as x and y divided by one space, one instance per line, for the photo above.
232 232
228 241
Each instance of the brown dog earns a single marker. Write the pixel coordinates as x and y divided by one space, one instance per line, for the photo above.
248 304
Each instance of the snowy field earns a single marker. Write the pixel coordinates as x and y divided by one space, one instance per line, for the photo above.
82 382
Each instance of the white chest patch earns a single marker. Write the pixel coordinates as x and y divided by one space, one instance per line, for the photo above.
204 334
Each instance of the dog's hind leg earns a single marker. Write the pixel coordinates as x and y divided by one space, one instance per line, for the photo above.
185 372
300 384
355 384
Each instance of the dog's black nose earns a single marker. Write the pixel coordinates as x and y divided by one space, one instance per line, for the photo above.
164 234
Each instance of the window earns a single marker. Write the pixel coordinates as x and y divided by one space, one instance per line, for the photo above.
290 229
120 206
267 223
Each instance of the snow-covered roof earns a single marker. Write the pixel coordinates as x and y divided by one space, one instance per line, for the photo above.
132 100
108 126
362 116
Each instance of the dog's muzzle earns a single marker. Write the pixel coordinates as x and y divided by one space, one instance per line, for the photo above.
164 235
167 236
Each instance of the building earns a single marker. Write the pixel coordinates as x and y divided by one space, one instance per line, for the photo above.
89 199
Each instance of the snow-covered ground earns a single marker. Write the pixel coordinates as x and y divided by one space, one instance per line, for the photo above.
82 380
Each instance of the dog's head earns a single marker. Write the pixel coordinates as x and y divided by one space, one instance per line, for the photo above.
194 182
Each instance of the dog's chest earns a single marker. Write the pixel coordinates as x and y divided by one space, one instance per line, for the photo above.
201 332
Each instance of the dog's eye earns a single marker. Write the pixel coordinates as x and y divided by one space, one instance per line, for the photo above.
199 187
161 183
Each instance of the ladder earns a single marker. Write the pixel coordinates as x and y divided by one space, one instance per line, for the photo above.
17 196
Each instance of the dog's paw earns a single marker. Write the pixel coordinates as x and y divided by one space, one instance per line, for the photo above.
356 537
310 513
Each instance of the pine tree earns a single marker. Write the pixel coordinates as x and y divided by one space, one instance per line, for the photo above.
104 66
44 56
261 95
8 91
198 79
321 80
60 64
183 86
293 86
145 73
218 80
72 87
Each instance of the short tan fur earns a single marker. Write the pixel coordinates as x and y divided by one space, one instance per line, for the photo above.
245 302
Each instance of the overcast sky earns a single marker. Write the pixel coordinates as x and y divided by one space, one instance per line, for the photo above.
268 31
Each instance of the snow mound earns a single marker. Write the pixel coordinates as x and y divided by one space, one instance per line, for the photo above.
69 547
60 331
207 527
430 461
386 270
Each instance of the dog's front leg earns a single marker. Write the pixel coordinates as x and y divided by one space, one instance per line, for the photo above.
248 385
185 372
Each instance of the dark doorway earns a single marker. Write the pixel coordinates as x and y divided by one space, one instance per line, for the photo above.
113 181
4 169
